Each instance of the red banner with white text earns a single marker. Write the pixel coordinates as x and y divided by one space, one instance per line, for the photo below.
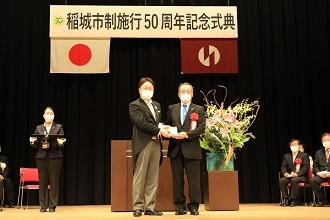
209 56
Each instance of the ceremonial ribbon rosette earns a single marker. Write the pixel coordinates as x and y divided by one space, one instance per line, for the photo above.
194 119
298 161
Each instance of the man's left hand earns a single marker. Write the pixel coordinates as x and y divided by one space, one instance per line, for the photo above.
181 135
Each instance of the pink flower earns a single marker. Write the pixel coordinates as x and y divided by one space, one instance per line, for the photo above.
224 132
229 117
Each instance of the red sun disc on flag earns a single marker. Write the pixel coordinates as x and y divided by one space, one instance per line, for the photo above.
80 54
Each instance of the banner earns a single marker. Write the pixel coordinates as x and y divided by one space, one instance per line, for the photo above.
91 21
209 56
80 56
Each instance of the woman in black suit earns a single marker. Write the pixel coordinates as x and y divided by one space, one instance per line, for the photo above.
48 160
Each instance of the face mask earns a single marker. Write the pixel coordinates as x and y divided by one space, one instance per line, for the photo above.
49 117
185 98
147 94
294 148
326 144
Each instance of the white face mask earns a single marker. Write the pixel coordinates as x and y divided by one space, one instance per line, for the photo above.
185 98
326 144
294 148
49 117
147 94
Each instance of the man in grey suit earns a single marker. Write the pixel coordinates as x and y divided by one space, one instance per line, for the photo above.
184 149
321 169
145 115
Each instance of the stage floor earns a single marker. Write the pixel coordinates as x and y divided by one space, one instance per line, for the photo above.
103 212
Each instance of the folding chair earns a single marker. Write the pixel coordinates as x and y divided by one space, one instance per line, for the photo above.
300 185
29 179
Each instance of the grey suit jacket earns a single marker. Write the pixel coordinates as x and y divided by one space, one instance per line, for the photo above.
190 146
320 162
145 126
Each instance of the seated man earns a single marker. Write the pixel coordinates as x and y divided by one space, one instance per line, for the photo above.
5 181
321 169
294 170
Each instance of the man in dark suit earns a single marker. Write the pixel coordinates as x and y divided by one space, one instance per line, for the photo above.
48 160
145 115
294 169
321 169
5 181
184 149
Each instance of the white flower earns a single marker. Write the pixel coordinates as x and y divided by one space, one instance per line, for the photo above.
3 165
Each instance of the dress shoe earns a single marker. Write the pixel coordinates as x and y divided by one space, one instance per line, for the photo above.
321 203
43 210
285 202
1 209
153 212
194 212
293 203
11 204
51 209
137 213
181 211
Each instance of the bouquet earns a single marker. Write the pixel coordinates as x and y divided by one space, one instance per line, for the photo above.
227 128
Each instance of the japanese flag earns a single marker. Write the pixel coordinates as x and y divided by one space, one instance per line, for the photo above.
79 56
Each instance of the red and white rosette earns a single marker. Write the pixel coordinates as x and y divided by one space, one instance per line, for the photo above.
297 161
194 119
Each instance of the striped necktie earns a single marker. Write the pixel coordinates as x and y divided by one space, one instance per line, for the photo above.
184 113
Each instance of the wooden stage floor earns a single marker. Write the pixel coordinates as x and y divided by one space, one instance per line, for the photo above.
103 212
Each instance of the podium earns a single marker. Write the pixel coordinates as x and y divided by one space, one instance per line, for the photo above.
122 178
221 191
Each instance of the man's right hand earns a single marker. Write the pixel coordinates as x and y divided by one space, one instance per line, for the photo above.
164 132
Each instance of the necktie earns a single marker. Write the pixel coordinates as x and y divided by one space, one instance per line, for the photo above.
151 109
184 113
327 155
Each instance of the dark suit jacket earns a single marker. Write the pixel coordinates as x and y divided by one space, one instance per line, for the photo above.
54 149
145 126
5 174
288 166
190 146
320 162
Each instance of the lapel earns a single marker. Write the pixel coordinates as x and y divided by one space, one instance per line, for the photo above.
43 129
291 164
177 112
156 112
144 105
52 128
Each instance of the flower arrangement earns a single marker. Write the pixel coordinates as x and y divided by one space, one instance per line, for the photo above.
227 129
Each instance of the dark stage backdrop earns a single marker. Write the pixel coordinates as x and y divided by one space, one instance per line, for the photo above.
283 59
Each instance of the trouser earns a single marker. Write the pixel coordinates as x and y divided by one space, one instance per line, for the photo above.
49 173
179 164
145 178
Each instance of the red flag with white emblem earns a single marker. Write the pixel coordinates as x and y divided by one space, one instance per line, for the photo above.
216 55
80 56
